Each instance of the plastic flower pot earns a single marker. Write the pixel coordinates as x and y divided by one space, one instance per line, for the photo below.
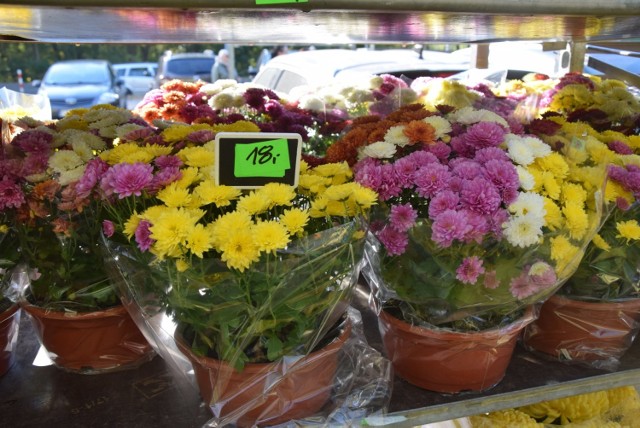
267 393
593 333
449 361
92 342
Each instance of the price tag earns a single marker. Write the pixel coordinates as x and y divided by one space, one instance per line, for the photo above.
248 160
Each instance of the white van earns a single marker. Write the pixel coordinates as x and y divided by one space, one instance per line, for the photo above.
137 76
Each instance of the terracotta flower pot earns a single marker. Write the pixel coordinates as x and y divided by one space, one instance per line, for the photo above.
270 393
448 361
93 342
589 332
9 325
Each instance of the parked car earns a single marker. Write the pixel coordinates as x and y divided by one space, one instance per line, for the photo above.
138 77
80 83
318 67
184 66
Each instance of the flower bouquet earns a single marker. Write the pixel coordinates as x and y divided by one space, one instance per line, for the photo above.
251 288
602 297
475 224
64 280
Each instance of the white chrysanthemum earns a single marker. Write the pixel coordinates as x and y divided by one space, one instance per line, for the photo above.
71 175
123 130
222 100
407 96
395 135
523 231
218 86
527 181
379 150
528 203
441 125
82 149
64 160
518 150
310 102
469 115
358 96
538 147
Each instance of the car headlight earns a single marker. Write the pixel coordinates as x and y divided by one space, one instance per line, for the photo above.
108 98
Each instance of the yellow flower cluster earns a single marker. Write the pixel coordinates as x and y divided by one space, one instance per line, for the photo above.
614 408
194 215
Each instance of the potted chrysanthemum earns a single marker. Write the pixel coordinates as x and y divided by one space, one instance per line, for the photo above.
250 286
475 224
595 316
65 288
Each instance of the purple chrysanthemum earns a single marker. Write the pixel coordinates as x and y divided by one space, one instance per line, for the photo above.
484 134
404 169
440 150
402 217
450 226
35 163
168 161
504 176
480 195
479 227
431 179
620 147
491 153
11 195
108 228
389 186
442 201
163 178
394 242
33 141
93 173
465 168
469 270
422 158
143 235
127 179
368 173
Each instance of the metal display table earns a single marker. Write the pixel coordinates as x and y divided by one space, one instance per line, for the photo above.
153 396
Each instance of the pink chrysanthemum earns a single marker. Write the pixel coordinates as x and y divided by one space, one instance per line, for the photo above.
127 179
11 195
480 195
403 217
404 169
143 235
168 161
465 168
395 242
108 228
484 134
431 179
469 270
450 226
445 200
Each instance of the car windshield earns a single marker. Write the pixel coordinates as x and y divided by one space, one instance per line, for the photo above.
76 74
190 66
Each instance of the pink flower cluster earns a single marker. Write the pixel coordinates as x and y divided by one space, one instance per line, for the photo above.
463 189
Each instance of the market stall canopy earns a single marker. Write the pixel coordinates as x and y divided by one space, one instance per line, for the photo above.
317 22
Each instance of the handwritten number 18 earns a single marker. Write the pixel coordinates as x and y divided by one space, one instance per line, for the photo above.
261 155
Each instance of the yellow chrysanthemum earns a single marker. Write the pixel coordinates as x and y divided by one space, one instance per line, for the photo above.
571 97
629 230
338 193
226 224
339 172
131 225
304 167
614 190
600 152
175 196
239 250
179 132
278 194
182 265
335 208
171 230
563 252
294 220
4 228
554 163
126 153
573 193
199 240
576 408
600 243
314 184
553 216
364 197
319 207
239 126
189 176
577 220
504 419
196 156
550 185
70 121
221 196
253 203
270 236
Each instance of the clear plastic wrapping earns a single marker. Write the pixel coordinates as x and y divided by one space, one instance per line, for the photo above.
297 323
14 105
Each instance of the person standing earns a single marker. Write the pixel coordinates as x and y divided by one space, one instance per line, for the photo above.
221 68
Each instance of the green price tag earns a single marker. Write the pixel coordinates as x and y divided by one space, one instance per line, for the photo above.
264 159
280 1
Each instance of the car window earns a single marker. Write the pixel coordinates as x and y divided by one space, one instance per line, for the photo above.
289 80
120 72
69 74
190 66
139 71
